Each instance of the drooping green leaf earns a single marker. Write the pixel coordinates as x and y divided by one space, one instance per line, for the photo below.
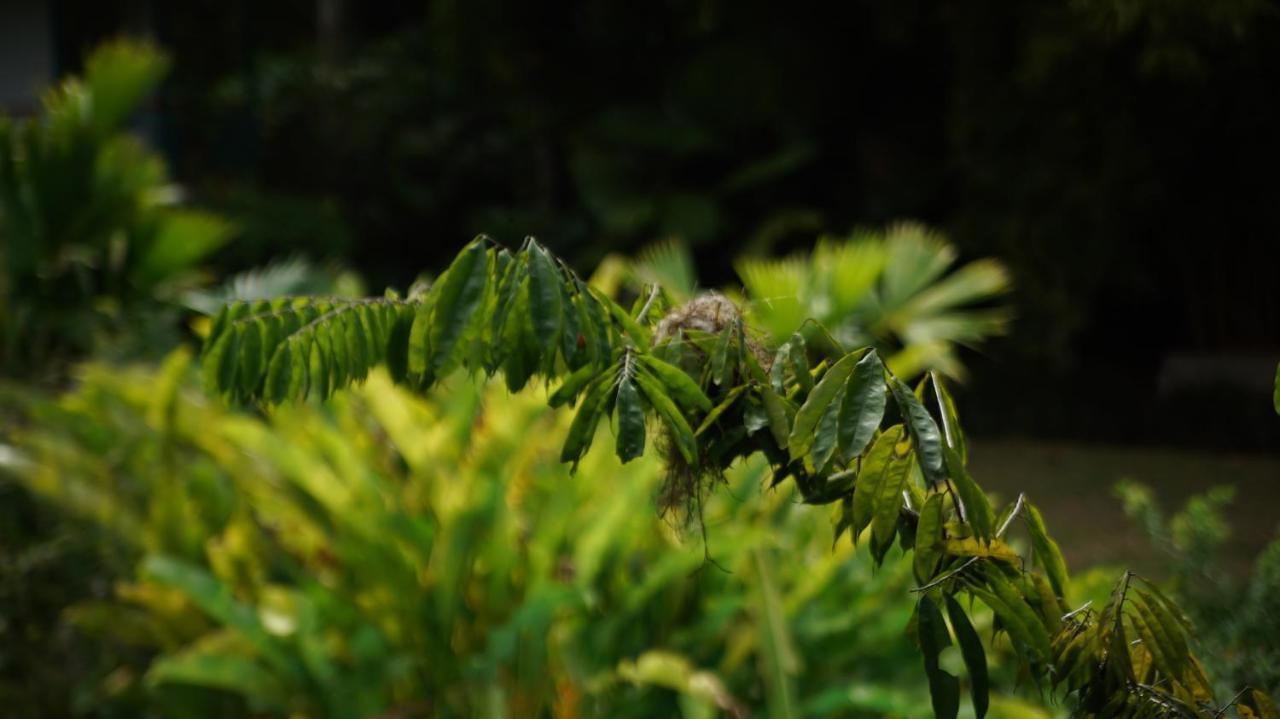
1046 550
888 501
1015 612
583 429
816 404
630 443
278 374
862 408
397 350
923 430
681 433
574 384
928 546
951 430
679 385
545 300
461 292
944 688
975 658
219 364
870 476
824 436
639 334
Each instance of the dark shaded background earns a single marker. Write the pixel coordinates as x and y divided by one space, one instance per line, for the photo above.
1121 158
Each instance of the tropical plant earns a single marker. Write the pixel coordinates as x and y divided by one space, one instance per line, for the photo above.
91 237
390 554
815 411
887 289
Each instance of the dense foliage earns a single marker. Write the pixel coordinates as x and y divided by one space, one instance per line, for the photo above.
814 410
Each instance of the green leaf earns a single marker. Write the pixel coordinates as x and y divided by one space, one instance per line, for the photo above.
928 547
862 408
630 442
870 475
951 430
249 335
888 500
278 374
815 406
824 437
977 506
574 384
680 386
944 688
218 365
975 658
1046 550
583 429
923 430
397 349
681 433
461 292
639 335
545 299
1014 611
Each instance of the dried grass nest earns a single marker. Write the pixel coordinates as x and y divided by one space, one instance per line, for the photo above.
680 498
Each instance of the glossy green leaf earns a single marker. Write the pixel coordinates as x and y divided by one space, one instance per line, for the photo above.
923 430
975 658
630 442
944 688
862 408
816 404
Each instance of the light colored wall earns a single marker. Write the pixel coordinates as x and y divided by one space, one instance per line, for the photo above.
26 53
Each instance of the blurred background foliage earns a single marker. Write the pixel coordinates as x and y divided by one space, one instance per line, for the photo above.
394 555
